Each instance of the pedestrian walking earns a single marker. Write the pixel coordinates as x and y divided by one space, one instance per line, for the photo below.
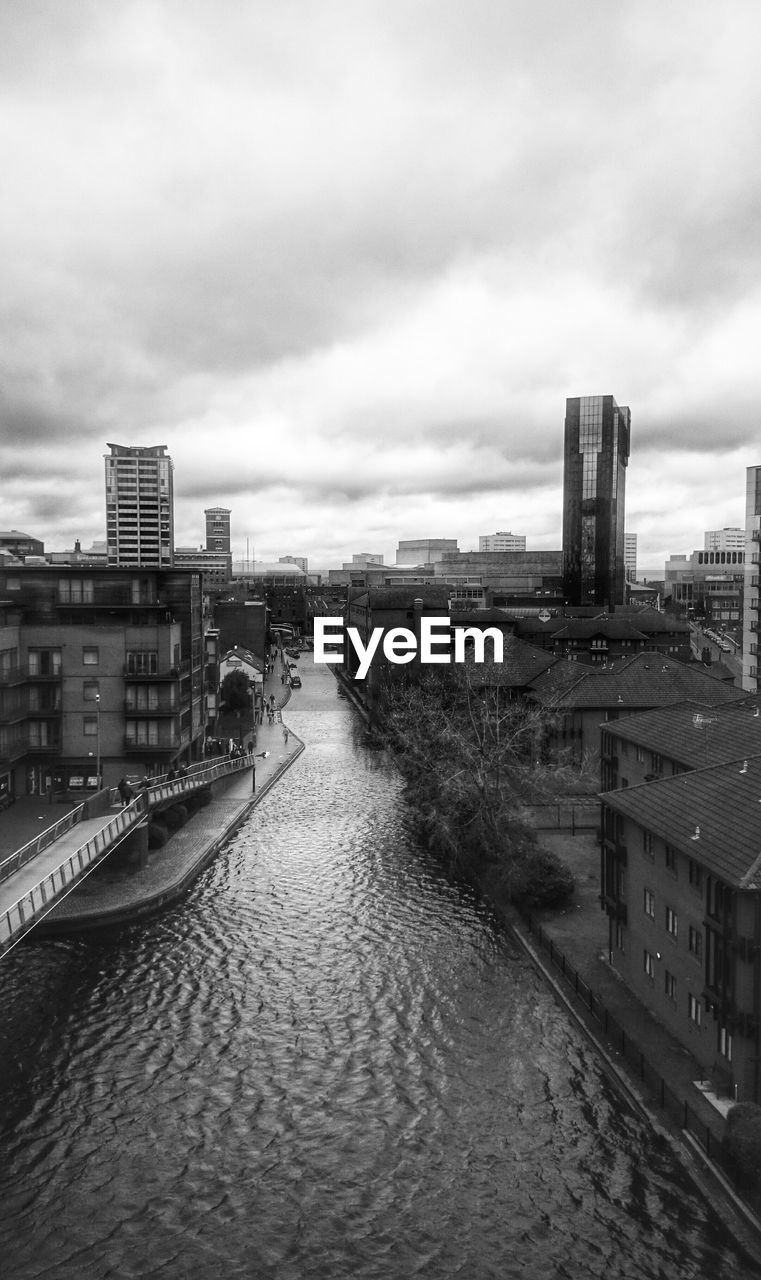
285 734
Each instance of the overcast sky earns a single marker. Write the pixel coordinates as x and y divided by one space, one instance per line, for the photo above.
347 258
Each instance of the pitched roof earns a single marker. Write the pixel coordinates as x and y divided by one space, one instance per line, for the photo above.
643 681
720 803
521 664
695 733
612 628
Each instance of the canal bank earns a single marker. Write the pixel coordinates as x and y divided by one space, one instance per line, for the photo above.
658 1078
118 893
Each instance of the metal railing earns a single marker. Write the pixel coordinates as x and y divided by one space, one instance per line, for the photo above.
675 1106
30 850
24 913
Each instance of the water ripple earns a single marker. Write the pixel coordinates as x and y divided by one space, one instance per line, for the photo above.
327 1061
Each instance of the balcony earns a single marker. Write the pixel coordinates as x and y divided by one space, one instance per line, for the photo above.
174 673
166 742
12 675
147 713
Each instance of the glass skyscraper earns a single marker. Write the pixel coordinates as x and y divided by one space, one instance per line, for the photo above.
597 437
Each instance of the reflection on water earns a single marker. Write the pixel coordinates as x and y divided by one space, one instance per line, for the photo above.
326 1062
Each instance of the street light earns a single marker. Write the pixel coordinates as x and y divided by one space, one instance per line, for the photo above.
261 755
97 742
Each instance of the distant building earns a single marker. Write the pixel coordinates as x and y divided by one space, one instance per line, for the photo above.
751 613
708 584
502 542
20 544
214 566
424 550
218 530
597 442
724 540
301 562
630 556
139 506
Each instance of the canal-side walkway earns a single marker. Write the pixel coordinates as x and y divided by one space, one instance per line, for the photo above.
116 894
656 1073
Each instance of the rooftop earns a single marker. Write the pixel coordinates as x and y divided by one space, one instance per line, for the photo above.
711 815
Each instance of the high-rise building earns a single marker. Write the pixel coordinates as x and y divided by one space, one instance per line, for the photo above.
490 542
139 506
630 556
751 612
424 550
597 439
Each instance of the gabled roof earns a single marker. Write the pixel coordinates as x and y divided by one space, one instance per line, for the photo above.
720 804
643 681
521 664
695 733
403 597
614 628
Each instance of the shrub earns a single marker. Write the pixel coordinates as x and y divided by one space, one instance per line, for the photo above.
742 1140
539 878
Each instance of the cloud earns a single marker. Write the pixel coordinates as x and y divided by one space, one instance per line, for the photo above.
348 261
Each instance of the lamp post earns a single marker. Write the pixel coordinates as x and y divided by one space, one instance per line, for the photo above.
97 742
261 755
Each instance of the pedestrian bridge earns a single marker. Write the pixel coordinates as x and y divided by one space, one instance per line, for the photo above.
35 878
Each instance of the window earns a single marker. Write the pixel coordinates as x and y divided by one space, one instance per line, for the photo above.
695 942
725 1043
695 1011
649 965
44 662
90 690
671 922
649 903
142 662
656 763
144 697
143 733
640 755
669 986
90 656
647 845
89 726
671 859
619 934
696 876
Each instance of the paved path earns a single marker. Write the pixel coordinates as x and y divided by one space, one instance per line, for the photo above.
113 893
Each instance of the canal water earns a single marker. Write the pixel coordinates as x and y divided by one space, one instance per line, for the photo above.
327 1061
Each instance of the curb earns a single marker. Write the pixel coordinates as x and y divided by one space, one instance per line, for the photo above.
154 902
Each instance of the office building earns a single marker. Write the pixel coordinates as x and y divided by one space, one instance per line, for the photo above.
139 506
630 556
489 542
424 550
751 613
724 540
597 441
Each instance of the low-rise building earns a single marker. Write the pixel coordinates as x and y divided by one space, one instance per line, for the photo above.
680 881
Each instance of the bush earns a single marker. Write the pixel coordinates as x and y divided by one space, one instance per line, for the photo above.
157 835
742 1140
539 878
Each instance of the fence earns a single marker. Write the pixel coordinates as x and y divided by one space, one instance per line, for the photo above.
564 817
23 914
677 1108
42 841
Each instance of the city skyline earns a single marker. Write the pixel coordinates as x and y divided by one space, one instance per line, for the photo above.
349 263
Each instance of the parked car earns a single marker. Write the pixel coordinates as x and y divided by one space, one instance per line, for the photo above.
295 680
